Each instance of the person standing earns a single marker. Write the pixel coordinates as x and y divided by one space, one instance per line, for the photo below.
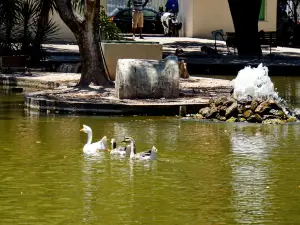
172 6
137 16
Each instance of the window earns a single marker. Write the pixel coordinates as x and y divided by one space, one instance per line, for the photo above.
126 13
149 13
262 10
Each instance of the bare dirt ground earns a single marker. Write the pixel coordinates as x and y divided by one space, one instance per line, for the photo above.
193 90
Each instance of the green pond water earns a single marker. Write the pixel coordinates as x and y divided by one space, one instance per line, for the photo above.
206 173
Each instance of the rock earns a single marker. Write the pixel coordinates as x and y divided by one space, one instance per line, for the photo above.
255 119
247 107
242 119
204 111
229 101
198 116
221 100
231 110
211 101
291 119
263 107
277 112
141 78
231 120
273 121
213 112
222 110
221 118
241 108
254 105
258 118
247 113
267 117
274 105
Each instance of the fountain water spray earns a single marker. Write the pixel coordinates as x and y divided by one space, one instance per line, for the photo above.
254 83
254 100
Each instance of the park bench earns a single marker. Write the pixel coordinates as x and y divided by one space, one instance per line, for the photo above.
13 63
266 38
219 35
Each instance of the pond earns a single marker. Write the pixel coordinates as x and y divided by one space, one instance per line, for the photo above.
206 173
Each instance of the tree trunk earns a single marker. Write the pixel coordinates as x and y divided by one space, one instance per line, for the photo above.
245 15
87 33
92 69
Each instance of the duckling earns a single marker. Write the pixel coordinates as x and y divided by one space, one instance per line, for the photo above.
122 150
93 148
147 155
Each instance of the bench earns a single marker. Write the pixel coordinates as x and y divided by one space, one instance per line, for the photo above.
265 38
222 36
12 63
268 38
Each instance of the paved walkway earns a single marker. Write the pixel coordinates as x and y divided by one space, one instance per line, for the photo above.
189 45
283 61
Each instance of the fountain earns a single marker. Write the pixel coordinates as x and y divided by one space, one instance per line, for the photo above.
254 99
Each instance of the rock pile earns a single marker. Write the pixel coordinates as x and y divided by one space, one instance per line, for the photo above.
255 111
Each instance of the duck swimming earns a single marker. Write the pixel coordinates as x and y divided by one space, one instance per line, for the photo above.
93 148
122 150
147 155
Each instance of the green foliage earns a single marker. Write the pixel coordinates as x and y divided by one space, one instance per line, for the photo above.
108 29
18 27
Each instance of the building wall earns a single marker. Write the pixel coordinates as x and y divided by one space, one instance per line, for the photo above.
199 17
186 16
202 17
66 35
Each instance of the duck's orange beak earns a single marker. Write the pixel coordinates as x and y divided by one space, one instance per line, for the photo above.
81 129
108 150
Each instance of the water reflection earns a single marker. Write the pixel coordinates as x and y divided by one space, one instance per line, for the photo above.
206 173
92 170
251 149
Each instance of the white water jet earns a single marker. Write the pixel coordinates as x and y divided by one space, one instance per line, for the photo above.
253 83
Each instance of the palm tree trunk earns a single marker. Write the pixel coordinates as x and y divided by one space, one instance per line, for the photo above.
45 8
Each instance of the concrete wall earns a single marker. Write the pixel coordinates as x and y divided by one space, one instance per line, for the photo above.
201 17
126 50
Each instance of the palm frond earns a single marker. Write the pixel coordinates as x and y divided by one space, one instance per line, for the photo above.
78 5
50 31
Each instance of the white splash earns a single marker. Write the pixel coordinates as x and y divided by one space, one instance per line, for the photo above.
253 83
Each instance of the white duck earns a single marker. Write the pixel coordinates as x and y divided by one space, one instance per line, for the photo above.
93 148
122 150
147 155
